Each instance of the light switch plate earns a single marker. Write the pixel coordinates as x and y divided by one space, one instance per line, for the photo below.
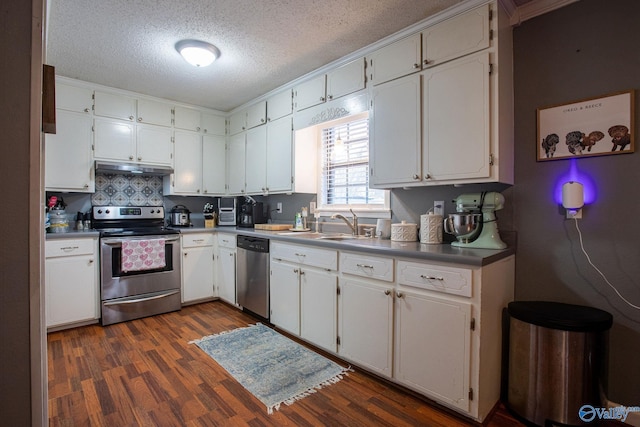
312 208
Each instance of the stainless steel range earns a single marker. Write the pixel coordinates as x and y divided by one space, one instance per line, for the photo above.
139 262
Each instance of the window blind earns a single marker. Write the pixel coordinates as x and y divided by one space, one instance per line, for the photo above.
345 166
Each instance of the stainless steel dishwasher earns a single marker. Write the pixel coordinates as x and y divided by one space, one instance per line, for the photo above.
252 275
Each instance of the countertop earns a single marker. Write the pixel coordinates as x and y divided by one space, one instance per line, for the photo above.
375 246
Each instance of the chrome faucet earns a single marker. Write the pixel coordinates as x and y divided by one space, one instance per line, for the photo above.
352 225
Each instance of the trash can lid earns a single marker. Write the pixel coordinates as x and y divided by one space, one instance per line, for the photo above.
565 317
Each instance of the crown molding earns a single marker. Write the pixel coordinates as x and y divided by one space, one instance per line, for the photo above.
519 14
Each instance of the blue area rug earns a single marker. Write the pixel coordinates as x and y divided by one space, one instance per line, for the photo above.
272 367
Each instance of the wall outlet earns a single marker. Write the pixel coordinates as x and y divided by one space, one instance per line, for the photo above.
312 208
279 207
438 207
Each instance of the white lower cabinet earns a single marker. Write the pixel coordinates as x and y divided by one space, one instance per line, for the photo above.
433 346
197 267
303 292
226 268
365 324
71 281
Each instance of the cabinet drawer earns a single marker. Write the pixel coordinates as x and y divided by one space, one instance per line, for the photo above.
194 240
69 247
367 266
450 280
305 255
227 240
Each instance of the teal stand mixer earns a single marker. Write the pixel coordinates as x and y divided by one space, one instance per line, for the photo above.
475 224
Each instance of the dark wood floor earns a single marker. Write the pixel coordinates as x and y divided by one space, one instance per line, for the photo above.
144 373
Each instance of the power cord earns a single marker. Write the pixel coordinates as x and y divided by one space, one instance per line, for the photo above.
598 270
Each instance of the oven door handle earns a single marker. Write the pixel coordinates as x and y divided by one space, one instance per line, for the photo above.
137 300
112 241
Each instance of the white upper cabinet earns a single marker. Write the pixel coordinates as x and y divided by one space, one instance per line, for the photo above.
115 106
154 112
257 114
455 37
280 105
279 156
74 98
114 140
238 122
68 161
396 60
154 144
310 93
345 79
236 164
456 120
187 118
213 124
255 160
187 177
213 164
395 136
447 40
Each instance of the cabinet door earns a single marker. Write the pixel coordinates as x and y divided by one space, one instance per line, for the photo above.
71 289
455 37
187 118
68 161
346 79
236 167
114 106
114 140
237 122
279 155
187 178
255 160
154 112
154 144
280 105
213 164
257 114
227 275
197 273
396 60
318 307
395 139
284 296
74 98
310 93
433 347
213 124
457 120
366 324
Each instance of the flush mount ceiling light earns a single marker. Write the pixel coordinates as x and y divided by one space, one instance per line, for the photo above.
197 52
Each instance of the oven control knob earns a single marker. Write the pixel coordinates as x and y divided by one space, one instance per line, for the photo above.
99 211
152 211
107 211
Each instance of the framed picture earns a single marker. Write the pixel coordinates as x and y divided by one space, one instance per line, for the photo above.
590 127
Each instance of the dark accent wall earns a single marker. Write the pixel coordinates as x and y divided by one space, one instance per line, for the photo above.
15 122
587 49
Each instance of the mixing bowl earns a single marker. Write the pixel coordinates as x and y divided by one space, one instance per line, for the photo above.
465 226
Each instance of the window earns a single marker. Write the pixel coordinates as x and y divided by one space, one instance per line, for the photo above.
344 181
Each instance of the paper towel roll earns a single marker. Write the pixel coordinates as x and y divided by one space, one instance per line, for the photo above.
431 228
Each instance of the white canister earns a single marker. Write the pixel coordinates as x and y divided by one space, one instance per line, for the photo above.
404 232
383 228
431 228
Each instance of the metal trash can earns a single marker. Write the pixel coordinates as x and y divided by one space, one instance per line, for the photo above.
557 360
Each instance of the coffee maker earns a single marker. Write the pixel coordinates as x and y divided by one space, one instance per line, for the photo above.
251 213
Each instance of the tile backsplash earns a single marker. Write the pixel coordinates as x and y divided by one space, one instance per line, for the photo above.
127 190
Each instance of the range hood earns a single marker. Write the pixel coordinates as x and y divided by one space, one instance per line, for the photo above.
132 168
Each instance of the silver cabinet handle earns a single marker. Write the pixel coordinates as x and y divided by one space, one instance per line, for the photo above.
297 254
426 61
130 117
139 119
330 97
198 129
364 266
139 158
322 98
86 186
130 157
301 273
185 254
69 248
431 277
427 176
295 270
416 66
387 292
91 261
399 294
86 110
416 176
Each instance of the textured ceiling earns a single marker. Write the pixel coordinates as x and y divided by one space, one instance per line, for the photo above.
129 44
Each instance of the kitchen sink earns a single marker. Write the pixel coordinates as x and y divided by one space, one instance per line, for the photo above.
341 237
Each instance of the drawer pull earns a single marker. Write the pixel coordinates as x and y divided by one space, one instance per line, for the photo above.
69 248
364 266
297 254
431 277
198 240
